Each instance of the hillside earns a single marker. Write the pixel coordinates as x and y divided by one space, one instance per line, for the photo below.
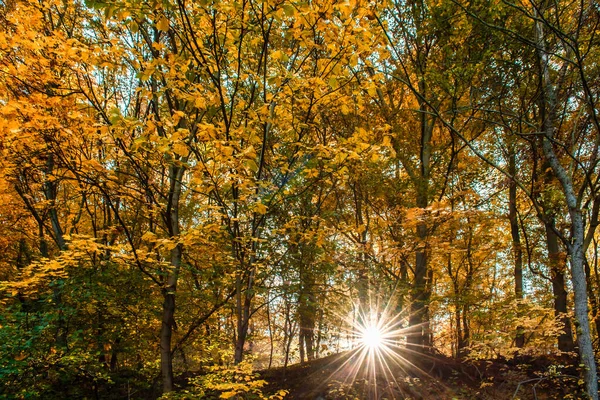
340 377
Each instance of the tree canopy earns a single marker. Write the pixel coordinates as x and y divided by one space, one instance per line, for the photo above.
211 188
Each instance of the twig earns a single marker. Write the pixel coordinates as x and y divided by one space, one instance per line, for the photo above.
539 380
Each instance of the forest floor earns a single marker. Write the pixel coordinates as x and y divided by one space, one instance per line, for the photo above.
344 376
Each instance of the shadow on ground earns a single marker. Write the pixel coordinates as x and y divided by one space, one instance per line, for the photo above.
349 376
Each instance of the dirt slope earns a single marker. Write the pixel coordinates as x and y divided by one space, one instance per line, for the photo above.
350 376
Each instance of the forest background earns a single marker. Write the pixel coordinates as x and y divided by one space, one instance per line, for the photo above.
188 185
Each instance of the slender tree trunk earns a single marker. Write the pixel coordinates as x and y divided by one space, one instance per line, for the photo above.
239 344
244 298
302 304
401 288
307 313
363 270
319 334
458 343
419 339
466 340
516 244
166 360
289 333
577 242
242 327
458 329
301 345
244 308
269 327
584 339
592 294
50 189
576 247
114 360
593 299
168 314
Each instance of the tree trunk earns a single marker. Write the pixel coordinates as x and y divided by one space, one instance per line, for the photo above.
362 283
592 295
269 327
288 333
516 244
307 313
576 245
114 360
301 346
419 338
168 314
168 321
244 297
565 339
458 329
246 293
584 339
166 360
466 340
50 188
319 334
242 327
309 338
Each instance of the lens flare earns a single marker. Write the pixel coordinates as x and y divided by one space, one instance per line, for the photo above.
380 358
372 337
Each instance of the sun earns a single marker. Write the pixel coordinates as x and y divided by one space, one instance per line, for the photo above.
378 351
372 337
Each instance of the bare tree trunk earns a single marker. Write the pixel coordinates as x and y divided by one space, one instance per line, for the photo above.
246 277
565 339
309 338
303 310
270 328
466 340
244 297
168 314
166 360
114 360
301 345
591 293
242 325
50 189
419 339
288 333
319 334
516 243
363 271
307 314
576 245
458 329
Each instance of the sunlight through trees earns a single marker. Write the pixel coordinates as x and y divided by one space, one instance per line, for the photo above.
194 191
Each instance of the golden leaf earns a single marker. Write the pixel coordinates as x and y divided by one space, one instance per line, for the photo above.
162 24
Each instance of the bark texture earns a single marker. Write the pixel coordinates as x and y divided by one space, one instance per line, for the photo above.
576 245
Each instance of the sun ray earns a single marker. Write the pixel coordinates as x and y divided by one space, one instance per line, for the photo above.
379 354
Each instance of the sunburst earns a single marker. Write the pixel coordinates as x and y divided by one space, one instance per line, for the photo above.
372 337
380 355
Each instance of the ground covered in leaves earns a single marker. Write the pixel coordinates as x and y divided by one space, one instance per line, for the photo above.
341 377
354 376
